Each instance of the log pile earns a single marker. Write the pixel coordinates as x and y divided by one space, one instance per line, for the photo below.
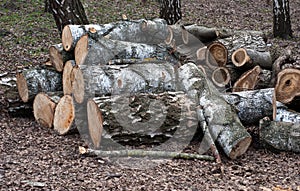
214 79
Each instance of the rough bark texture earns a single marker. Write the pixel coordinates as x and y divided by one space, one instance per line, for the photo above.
281 136
221 118
252 106
91 51
248 58
281 19
148 118
143 31
68 12
34 80
170 10
112 80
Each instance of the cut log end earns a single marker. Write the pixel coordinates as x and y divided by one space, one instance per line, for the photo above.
95 122
221 76
170 37
248 80
67 38
56 58
78 85
64 115
22 87
240 148
216 55
201 53
67 81
43 110
287 86
240 57
81 50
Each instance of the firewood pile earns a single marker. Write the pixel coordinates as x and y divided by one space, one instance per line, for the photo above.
217 80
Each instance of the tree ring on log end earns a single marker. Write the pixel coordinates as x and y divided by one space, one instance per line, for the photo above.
240 57
64 115
95 122
240 147
78 85
56 58
81 49
22 87
221 76
216 55
43 110
287 86
67 38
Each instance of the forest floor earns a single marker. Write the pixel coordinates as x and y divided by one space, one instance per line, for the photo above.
35 158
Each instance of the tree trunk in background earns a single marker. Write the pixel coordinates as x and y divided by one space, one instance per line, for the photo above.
67 12
281 19
170 10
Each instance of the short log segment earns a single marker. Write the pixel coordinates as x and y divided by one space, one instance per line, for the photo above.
280 135
91 51
142 31
34 80
44 107
248 58
64 115
111 80
58 56
222 120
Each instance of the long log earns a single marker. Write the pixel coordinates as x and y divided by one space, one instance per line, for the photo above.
110 79
281 136
34 80
143 31
148 118
93 51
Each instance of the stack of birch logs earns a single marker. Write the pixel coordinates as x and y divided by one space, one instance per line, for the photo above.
104 79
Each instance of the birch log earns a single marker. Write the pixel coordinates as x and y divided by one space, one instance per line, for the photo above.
221 118
148 118
100 51
110 79
281 136
143 31
34 80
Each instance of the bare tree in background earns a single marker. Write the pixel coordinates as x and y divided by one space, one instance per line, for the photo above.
170 10
66 12
281 20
